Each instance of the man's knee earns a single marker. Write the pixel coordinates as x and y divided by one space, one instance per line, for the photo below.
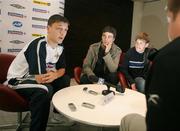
84 79
61 83
133 122
113 78
140 84
44 95
40 98
66 80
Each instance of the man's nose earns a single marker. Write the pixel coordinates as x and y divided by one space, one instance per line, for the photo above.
106 38
62 33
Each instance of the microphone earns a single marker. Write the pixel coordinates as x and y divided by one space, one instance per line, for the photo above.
95 79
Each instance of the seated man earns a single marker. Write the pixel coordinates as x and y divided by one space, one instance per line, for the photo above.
102 58
38 71
136 64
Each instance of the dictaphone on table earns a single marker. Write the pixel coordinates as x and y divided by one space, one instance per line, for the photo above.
72 107
88 105
92 92
85 89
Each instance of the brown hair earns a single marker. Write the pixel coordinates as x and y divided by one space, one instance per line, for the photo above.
109 29
174 7
143 36
57 18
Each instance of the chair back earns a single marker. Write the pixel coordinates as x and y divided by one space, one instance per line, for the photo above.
77 74
5 61
10 100
122 78
122 58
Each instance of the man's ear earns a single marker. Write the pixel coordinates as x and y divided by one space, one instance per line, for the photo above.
113 39
170 17
147 44
48 28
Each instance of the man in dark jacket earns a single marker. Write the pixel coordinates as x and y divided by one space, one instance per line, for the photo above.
162 90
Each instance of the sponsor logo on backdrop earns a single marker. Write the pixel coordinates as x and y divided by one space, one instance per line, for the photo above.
16 15
18 6
17 24
62 8
61 2
61 13
14 32
39 26
38 35
41 2
14 50
39 19
40 10
16 42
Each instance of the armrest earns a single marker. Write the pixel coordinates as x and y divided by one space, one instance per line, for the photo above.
77 74
11 101
123 80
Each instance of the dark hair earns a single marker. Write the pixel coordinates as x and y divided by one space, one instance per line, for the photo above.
143 36
174 6
57 18
110 29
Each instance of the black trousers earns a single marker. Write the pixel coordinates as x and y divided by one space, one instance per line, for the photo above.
39 101
110 77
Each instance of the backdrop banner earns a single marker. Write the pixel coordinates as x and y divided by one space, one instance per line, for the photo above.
21 21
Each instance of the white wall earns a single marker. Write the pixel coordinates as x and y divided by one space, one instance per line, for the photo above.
137 19
152 18
154 22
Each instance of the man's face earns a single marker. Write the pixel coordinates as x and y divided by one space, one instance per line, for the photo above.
140 45
107 38
173 25
57 32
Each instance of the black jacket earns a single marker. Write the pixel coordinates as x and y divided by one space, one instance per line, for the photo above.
162 89
135 64
32 57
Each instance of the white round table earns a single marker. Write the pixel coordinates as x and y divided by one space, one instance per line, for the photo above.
103 115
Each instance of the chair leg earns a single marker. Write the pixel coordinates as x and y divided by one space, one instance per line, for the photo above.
13 125
18 125
19 121
8 126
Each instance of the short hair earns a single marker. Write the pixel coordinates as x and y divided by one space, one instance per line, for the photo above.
143 36
109 29
174 7
57 18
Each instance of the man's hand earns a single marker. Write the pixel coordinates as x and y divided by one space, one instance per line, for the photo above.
108 47
39 78
50 77
46 78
